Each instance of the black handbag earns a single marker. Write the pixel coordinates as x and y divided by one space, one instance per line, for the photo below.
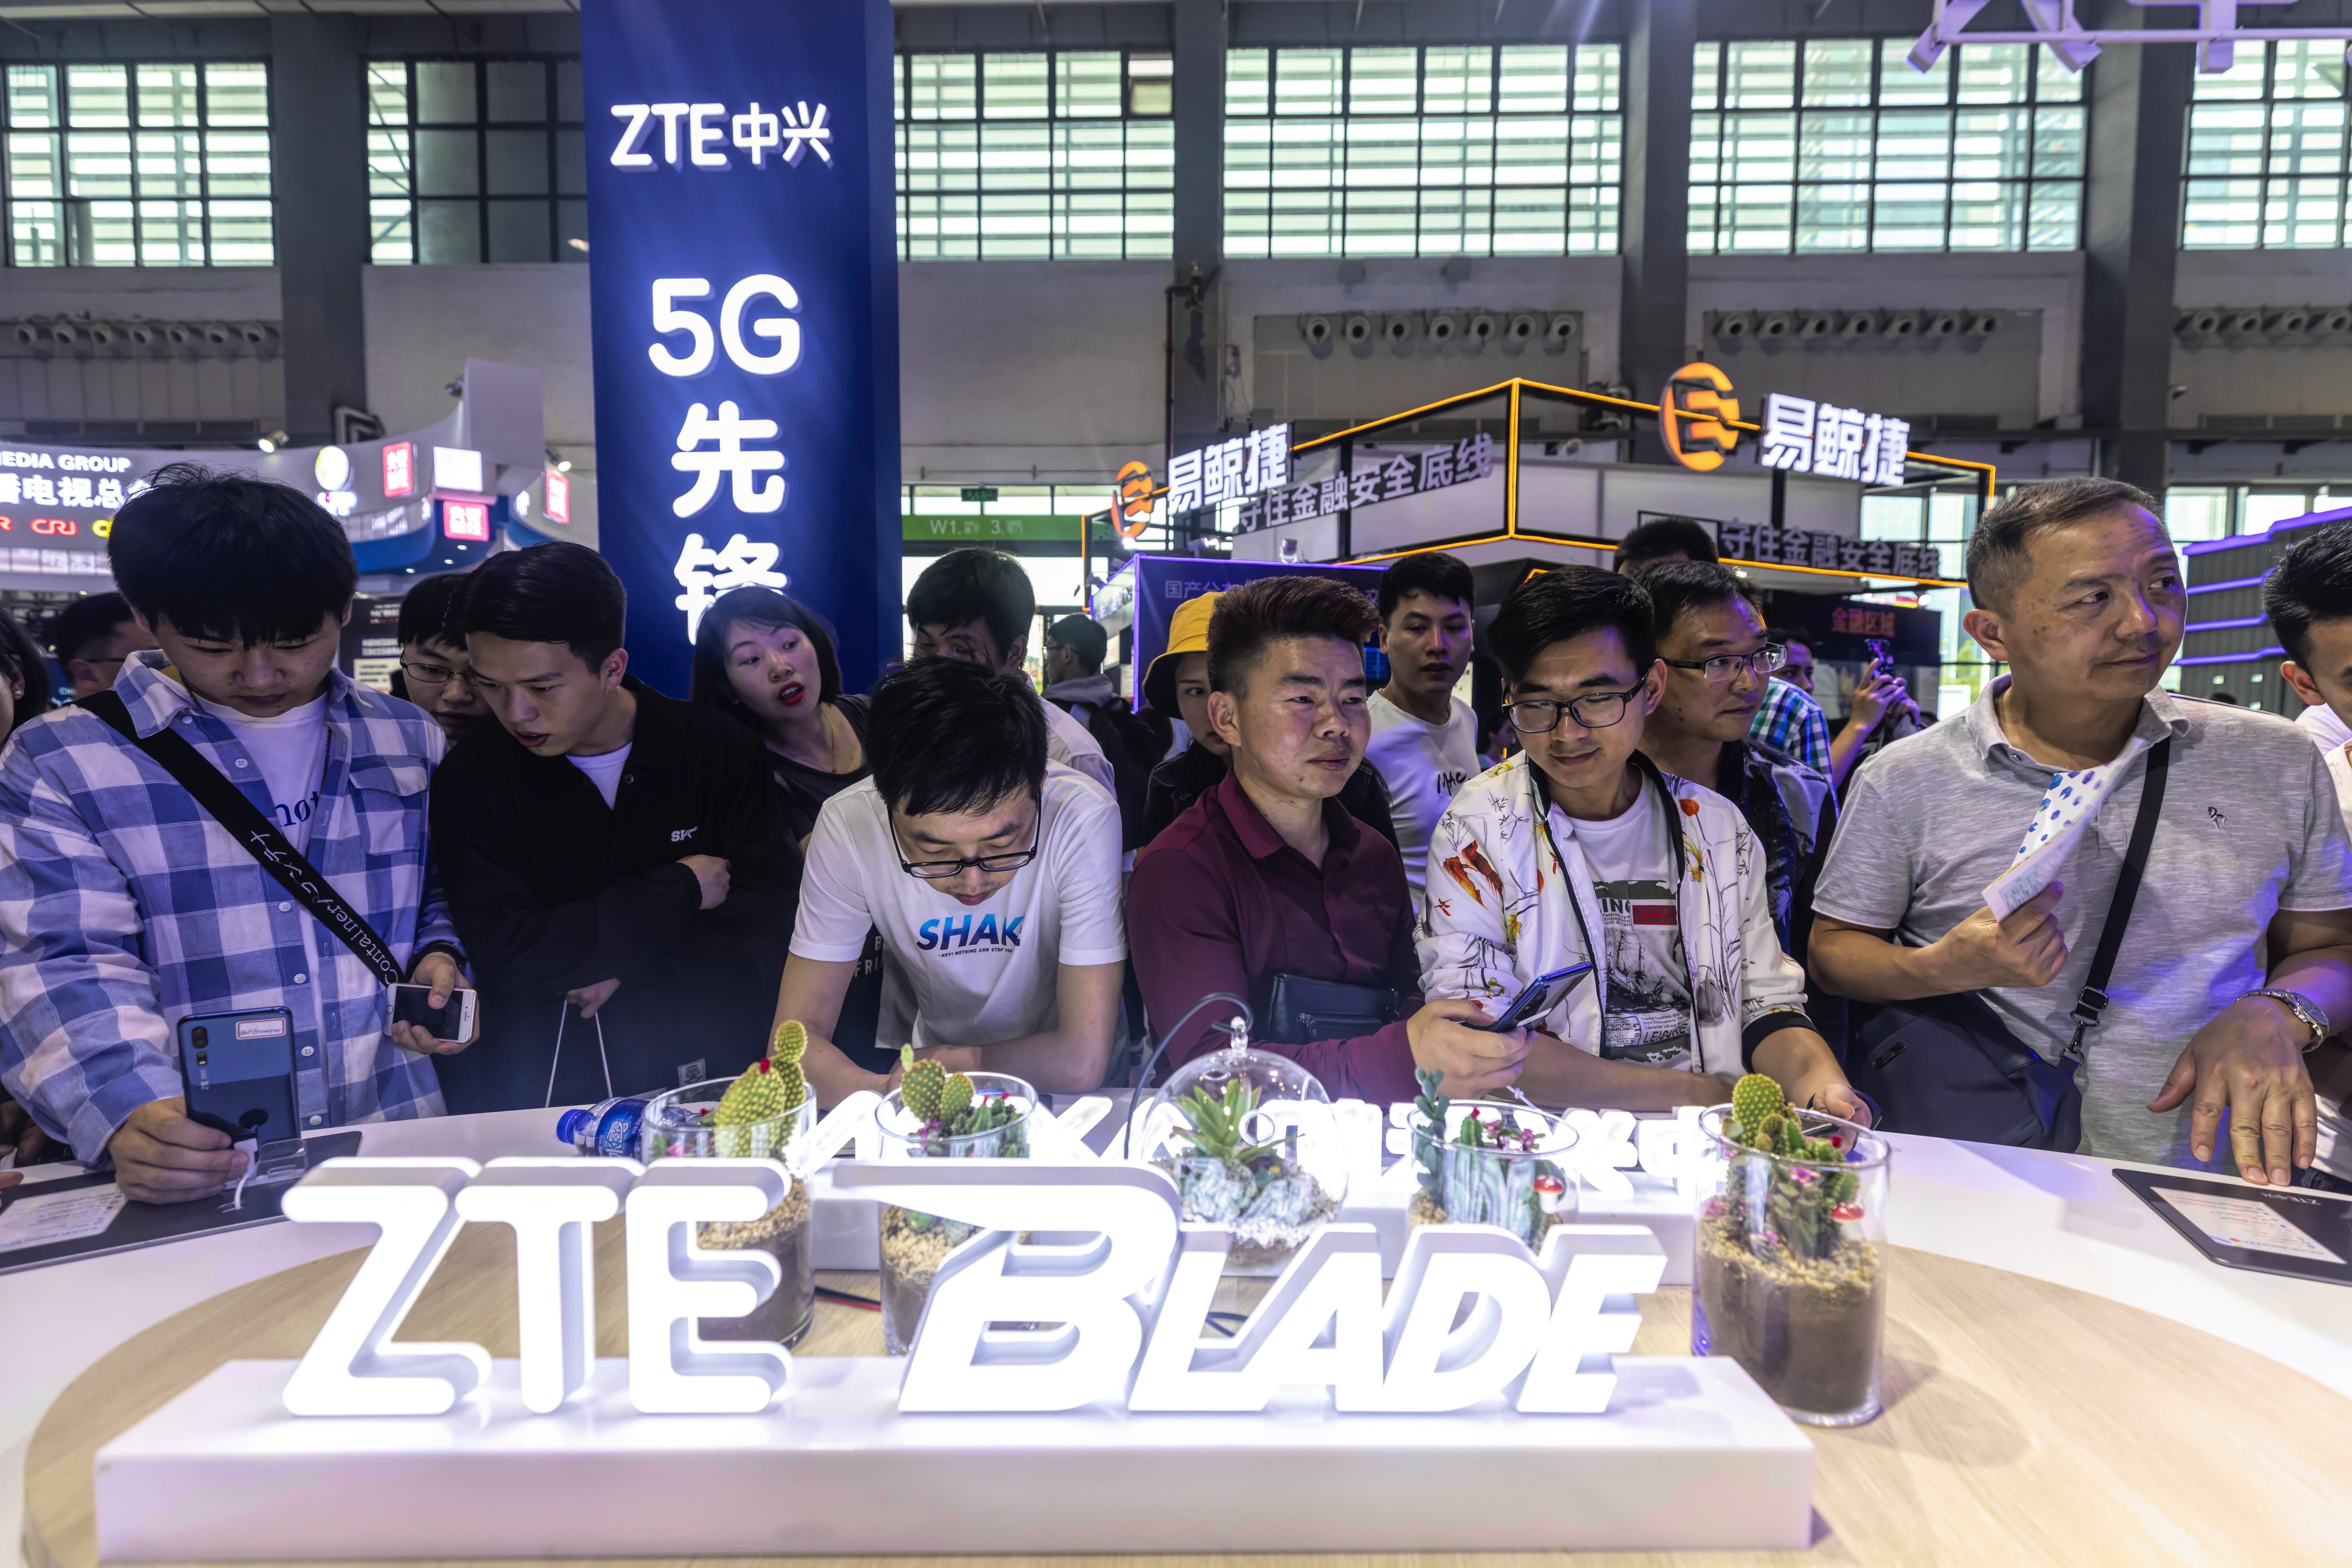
1300 1010
1947 1065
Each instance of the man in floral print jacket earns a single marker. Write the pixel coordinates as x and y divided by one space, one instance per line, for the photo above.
1578 848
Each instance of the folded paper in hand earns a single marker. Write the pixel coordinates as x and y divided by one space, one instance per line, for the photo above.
2069 805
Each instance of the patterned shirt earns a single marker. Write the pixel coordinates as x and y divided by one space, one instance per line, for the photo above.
124 907
1793 722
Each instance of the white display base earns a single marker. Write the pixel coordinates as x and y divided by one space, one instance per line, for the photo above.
845 1240
1690 1454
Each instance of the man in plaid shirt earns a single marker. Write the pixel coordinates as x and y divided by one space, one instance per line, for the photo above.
124 907
1792 722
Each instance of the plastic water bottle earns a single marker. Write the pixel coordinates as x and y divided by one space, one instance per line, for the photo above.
607 1130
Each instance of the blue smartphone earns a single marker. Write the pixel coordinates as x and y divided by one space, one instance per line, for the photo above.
1543 994
237 1069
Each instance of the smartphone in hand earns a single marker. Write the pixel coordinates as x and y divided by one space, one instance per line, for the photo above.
1543 994
450 1023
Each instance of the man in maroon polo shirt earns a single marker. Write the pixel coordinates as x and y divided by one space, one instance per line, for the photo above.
1266 874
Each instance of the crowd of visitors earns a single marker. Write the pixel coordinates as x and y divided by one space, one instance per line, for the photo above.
1042 883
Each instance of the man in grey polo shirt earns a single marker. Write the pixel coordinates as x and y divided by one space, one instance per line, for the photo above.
2248 882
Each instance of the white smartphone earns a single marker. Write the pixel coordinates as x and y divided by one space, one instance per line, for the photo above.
452 1022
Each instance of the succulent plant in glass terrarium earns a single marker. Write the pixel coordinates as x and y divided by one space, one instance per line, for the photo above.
1249 1139
935 1114
1790 1253
764 1113
1487 1164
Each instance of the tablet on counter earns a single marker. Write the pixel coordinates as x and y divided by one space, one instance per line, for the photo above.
2270 1230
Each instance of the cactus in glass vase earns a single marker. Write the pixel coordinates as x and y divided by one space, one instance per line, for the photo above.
1800 1208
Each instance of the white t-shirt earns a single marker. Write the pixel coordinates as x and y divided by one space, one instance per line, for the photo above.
1068 743
1649 991
604 772
980 973
1422 764
291 751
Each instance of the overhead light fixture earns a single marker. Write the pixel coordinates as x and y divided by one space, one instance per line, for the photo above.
272 442
578 245
564 466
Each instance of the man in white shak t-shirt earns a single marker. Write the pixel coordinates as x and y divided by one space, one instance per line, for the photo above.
1425 739
2308 597
976 605
993 877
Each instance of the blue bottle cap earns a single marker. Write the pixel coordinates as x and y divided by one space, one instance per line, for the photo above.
569 1126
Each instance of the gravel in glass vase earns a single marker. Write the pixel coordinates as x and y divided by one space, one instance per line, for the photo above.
1487 1162
938 1115
1790 1254
765 1114
1250 1141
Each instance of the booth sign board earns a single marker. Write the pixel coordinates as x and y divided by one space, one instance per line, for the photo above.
1760 541
744 311
1380 479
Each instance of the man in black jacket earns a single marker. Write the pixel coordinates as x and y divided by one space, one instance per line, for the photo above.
604 849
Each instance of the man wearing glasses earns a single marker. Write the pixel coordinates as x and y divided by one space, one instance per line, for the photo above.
1719 663
1578 849
93 639
433 664
992 878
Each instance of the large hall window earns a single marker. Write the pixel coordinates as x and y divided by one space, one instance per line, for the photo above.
1050 154
2266 149
1837 144
1430 151
476 160
157 164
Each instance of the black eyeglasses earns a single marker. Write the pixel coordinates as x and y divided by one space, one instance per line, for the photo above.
1594 711
420 673
1723 667
941 870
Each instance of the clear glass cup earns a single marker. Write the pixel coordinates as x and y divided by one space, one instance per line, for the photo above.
914 1243
1511 1176
1790 1262
674 1128
1262 1157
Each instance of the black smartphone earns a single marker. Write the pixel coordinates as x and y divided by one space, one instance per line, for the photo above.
237 1069
1882 657
451 1022
1543 994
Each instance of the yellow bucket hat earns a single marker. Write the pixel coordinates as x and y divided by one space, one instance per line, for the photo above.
1187 632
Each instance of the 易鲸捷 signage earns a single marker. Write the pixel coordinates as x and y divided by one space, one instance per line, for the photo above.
1767 545
1072 1330
744 310
1805 436
1256 470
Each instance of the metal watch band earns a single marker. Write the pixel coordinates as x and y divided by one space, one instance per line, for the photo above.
2307 1012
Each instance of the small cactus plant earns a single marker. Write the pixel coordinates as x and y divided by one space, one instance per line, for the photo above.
770 1088
949 1106
922 1086
1800 1208
1475 1177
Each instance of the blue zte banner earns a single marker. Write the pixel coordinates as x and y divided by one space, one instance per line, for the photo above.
744 292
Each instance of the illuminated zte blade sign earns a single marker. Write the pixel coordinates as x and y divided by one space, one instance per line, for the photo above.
744 305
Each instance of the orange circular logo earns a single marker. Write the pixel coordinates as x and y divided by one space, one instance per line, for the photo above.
1131 506
1695 415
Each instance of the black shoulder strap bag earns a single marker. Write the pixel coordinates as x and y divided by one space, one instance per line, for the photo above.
227 804
1949 1067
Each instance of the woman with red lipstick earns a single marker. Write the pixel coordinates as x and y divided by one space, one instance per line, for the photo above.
768 660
